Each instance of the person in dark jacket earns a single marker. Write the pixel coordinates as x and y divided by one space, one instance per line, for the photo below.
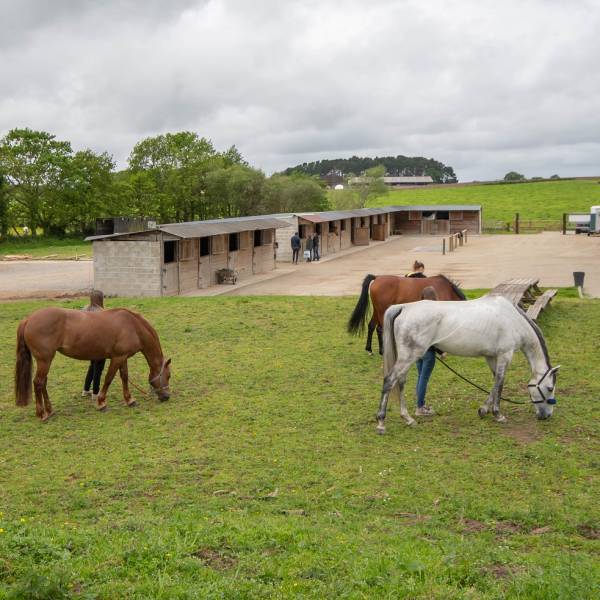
418 270
296 245
94 372
309 247
316 255
425 366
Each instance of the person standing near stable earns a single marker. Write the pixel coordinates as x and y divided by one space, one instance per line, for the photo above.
425 365
296 245
94 372
308 248
316 255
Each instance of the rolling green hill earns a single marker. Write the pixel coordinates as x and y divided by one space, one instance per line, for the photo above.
543 200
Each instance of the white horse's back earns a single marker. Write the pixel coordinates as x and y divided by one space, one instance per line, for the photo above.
481 327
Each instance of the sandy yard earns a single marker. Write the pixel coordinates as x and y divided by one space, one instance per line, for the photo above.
45 278
483 263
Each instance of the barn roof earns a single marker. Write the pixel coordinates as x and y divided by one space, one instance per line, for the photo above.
195 229
447 207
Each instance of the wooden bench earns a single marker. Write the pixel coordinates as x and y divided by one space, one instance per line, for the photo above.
520 291
540 304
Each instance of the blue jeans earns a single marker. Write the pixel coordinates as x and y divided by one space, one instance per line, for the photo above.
424 367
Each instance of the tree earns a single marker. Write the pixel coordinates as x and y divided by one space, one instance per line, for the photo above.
297 193
4 218
87 192
370 185
33 162
394 165
514 176
179 163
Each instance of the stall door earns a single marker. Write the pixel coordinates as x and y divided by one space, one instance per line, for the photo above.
170 268
204 262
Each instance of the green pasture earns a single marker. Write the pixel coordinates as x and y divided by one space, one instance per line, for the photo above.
543 200
47 247
263 476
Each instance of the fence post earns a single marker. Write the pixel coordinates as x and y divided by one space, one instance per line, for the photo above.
444 246
465 232
517 223
564 224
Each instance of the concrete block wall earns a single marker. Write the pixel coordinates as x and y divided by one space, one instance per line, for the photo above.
126 268
264 258
283 236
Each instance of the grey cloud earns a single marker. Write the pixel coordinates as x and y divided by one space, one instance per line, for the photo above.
476 84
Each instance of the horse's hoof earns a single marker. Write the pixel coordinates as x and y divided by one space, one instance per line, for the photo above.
46 417
369 353
411 423
101 408
482 412
380 429
501 419
132 404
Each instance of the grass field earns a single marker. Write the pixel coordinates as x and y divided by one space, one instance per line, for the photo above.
263 476
54 248
544 200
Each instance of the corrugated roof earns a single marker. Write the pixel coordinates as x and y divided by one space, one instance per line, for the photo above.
435 207
409 179
195 229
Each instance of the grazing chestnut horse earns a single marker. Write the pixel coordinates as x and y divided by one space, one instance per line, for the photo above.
117 334
385 290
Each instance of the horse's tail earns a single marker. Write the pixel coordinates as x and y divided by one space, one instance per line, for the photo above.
22 368
358 319
389 338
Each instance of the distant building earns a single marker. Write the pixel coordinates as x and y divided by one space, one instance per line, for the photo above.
398 181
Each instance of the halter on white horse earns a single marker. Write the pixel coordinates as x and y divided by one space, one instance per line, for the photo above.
489 326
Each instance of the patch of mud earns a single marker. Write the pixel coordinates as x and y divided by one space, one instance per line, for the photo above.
507 527
589 532
524 433
473 526
214 559
498 571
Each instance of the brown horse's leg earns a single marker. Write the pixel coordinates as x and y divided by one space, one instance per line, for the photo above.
125 380
115 364
370 330
43 408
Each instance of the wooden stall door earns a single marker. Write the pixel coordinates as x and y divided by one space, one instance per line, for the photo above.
204 271
361 236
170 279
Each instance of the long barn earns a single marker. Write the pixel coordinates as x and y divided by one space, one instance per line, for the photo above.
181 257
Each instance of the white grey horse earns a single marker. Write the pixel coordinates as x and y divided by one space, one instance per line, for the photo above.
489 326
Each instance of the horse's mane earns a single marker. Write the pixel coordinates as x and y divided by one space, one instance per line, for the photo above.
145 324
538 333
454 286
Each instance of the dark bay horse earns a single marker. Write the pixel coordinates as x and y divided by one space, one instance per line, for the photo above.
385 290
117 334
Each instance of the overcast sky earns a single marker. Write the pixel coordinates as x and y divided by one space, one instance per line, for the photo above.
483 86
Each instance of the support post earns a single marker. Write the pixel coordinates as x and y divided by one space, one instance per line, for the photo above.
444 246
564 224
517 223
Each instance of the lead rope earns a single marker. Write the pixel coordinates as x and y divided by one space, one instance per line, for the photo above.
474 384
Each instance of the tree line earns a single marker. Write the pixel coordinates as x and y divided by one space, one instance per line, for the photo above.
47 186
395 166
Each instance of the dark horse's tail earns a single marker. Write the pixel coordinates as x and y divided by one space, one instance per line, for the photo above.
358 319
22 369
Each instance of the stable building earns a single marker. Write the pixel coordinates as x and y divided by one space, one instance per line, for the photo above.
337 230
178 258
436 219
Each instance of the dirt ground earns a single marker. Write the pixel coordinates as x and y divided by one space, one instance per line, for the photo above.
483 263
45 278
